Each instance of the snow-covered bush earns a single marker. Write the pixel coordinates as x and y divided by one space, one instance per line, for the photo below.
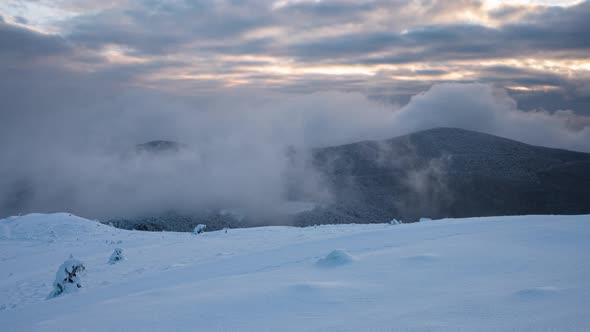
116 256
67 277
395 222
199 229
425 219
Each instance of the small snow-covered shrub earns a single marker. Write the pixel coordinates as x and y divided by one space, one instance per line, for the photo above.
425 219
116 256
67 277
199 229
395 222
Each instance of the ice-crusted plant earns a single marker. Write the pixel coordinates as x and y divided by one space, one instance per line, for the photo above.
67 277
116 256
200 229
395 222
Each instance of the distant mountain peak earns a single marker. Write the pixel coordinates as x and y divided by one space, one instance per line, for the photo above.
446 172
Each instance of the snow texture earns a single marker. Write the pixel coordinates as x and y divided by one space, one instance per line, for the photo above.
523 273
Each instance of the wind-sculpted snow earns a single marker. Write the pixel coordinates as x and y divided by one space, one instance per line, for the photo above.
49 227
528 273
335 258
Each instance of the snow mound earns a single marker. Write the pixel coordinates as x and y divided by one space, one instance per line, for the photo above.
48 227
315 286
536 292
422 258
335 258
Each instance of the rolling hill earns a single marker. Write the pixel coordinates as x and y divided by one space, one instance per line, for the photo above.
449 172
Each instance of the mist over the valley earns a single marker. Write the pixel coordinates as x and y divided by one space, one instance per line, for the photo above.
68 147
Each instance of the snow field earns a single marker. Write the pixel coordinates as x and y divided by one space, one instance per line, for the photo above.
526 273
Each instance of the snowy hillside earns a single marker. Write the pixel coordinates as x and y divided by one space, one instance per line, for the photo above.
480 274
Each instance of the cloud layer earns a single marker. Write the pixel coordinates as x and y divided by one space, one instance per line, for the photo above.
390 49
57 159
240 82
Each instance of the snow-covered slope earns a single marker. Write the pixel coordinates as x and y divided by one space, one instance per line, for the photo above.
481 274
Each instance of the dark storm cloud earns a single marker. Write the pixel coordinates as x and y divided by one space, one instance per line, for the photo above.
344 46
24 43
254 46
431 72
519 76
508 12
160 27
312 14
553 100
552 30
323 9
438 7
131 72
208 29
158 30
444 42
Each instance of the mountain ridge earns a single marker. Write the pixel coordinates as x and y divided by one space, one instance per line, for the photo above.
429 173
435 173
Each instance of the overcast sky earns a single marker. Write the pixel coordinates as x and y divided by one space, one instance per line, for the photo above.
238 81
538 50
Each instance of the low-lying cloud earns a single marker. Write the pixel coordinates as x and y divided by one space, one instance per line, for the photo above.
81 158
